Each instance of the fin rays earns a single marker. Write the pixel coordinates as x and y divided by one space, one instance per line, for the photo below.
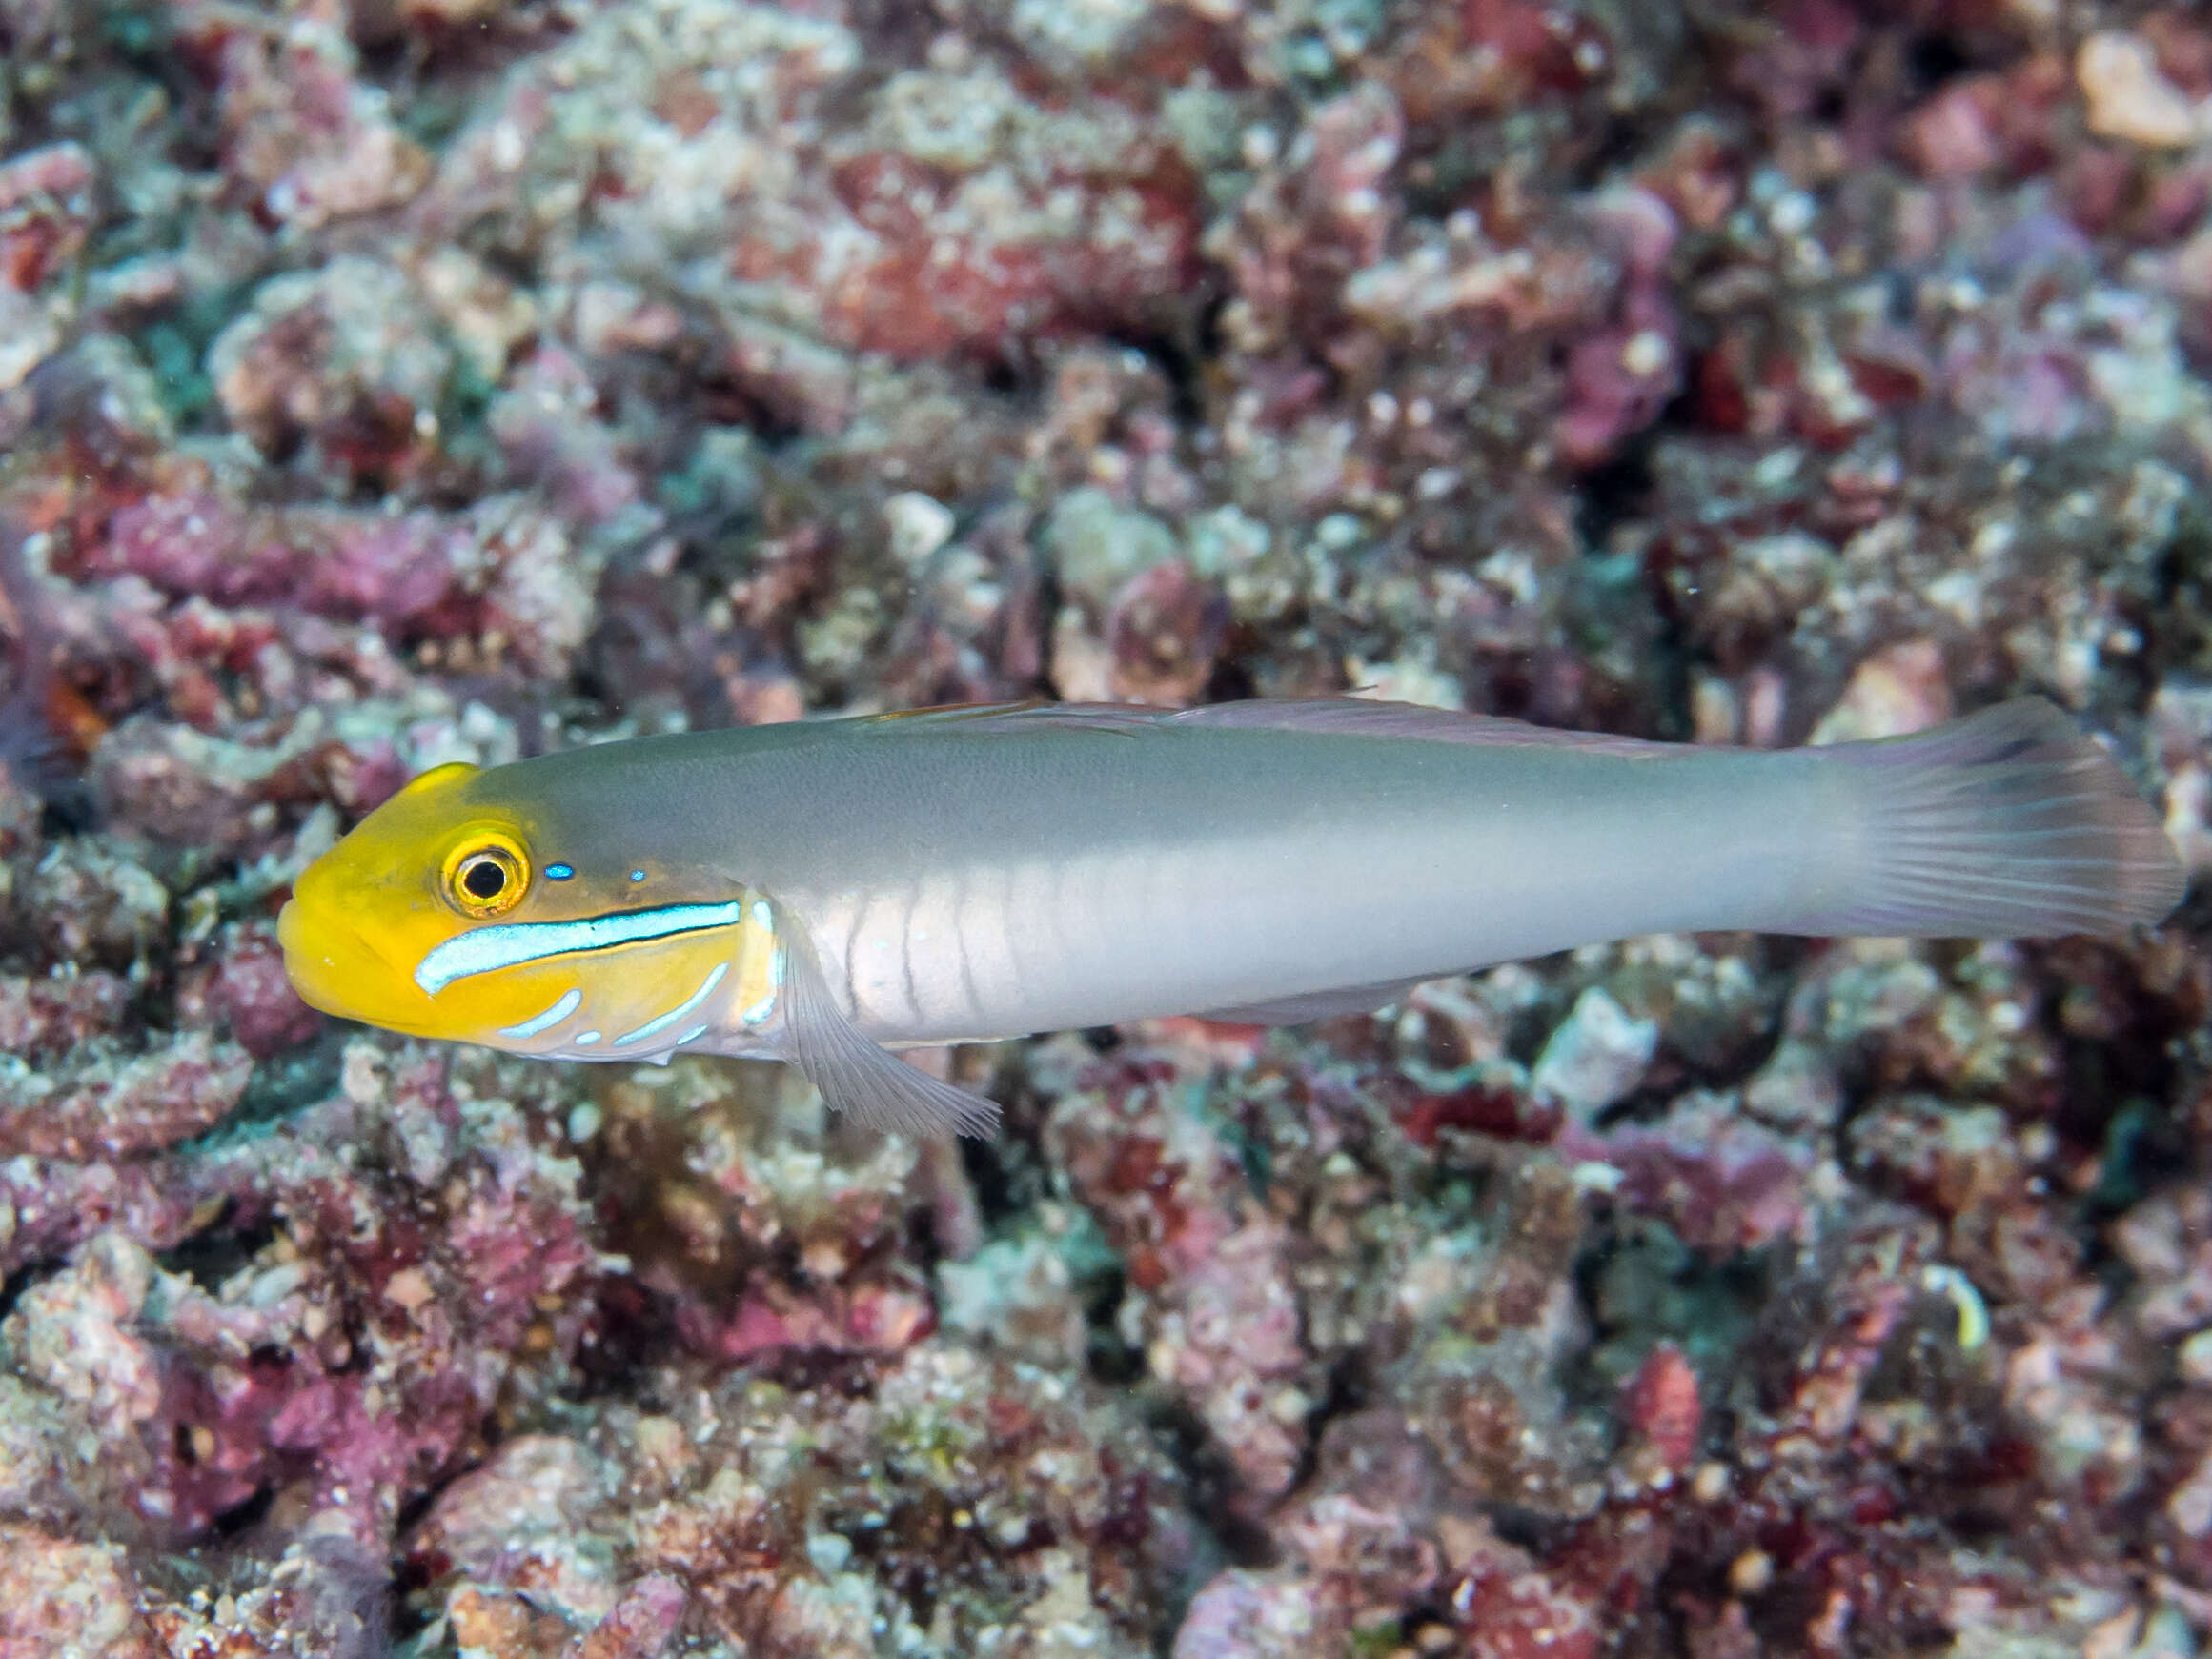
856 1076
2008 824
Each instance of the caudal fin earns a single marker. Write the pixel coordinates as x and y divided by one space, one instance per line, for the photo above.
2008 824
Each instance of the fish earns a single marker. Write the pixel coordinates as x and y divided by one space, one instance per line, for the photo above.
828 892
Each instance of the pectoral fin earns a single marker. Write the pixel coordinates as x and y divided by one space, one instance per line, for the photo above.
856 1076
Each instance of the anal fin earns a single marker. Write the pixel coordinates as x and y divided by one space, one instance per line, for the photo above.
1317 1004
855 1075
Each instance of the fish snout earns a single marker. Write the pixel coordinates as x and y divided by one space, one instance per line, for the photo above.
334 968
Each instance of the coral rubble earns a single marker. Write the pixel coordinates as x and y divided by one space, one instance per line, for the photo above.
383 384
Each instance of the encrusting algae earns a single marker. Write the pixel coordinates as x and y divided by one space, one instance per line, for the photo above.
393 384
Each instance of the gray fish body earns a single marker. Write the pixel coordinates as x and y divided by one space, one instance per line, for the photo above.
1033 882
969 876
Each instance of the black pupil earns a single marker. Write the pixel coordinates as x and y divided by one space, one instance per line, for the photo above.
485 879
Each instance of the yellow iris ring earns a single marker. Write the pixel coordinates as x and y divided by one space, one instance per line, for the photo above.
468 875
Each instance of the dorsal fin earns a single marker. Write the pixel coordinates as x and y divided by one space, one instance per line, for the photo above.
1359 716
1343 716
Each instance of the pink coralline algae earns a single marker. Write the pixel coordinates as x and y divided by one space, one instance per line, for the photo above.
419 575
44 216
353 1355
118 1106
1721 1183
68 1598
239 988
456 380
344 358
301 131
1215 1312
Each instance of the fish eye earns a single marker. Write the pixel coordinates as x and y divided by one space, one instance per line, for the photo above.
486 877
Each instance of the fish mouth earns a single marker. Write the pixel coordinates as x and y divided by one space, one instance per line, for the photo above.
333 969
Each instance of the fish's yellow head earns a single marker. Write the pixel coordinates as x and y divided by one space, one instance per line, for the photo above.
462 909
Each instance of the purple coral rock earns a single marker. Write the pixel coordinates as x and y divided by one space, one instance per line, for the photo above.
1264 1616
1723 1184
456 381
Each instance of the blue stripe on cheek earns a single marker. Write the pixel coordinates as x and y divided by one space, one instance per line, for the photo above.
484 950
568 1004
651 1026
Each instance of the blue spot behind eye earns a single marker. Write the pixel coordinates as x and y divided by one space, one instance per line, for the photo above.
559 872
636 875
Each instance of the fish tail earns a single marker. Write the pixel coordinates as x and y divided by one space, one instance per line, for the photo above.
2011 824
